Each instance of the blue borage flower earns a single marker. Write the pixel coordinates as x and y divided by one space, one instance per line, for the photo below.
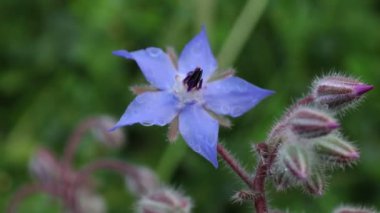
184 91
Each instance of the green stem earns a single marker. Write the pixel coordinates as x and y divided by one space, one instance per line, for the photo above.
171 159
240 32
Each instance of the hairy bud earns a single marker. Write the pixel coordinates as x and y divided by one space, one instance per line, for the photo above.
334 149
315 185
142 181
351 209
101 131
90 201
338 92
296 160
311 123
281 181
44 166
164 201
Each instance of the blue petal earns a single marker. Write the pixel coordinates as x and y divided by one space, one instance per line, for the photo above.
200 131
197 53
233 96
150 108
156 66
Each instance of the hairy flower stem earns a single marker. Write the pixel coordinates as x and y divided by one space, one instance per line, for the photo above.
75 139
267 155
234 164
117 166
258 182
301 102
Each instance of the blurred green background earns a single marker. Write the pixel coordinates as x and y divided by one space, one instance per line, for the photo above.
57 69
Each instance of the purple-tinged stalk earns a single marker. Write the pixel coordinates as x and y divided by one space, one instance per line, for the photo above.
100 125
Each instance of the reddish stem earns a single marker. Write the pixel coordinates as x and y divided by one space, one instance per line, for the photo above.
267 157
234 164
75 139
113 165
258 184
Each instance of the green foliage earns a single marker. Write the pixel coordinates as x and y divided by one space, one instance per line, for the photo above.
57 69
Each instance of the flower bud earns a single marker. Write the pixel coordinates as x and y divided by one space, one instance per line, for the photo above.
295 159
142 181
315 185
338 92
351 209
311 123
44 166
101 131
281 182
164 201
243 195
334 149
89 201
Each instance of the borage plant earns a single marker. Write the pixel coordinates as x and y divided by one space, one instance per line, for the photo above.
193 99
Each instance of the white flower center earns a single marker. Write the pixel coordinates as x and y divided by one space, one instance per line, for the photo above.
185 97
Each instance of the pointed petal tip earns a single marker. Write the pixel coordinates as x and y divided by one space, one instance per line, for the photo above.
354 155
203 29
122 53
333 125
270 92
363 88
215 164
113 128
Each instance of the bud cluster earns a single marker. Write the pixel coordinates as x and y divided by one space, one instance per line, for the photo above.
307 139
